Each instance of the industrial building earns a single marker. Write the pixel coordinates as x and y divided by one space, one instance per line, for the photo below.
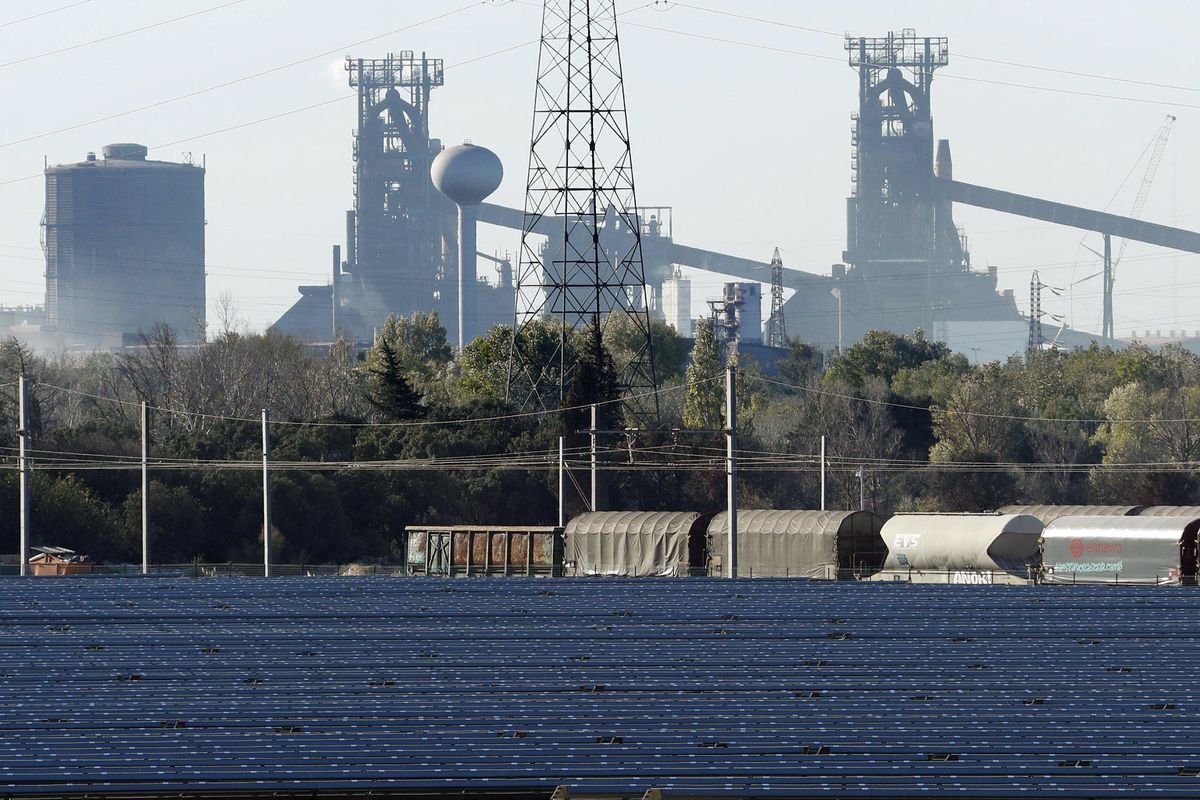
402 247
124 244
906 264
677 304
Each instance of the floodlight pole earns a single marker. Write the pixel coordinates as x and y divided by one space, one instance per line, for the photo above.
145 488
731 469
23 433
266 479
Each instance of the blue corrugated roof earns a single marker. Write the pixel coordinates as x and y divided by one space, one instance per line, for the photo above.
694 686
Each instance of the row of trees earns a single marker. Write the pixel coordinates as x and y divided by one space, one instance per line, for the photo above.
929 430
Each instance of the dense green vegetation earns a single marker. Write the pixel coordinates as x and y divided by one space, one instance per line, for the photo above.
929 430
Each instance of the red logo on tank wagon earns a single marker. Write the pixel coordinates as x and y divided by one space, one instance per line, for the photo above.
1076 548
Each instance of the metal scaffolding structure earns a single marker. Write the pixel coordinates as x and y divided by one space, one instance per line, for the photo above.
591 272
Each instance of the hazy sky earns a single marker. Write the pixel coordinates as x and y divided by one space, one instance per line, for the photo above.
748 142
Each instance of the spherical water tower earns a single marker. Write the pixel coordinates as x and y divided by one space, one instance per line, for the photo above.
467 174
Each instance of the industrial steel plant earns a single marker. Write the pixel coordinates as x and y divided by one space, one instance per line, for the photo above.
124 236
483 527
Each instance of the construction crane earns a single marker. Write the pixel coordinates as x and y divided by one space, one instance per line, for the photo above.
1139 202
1159 146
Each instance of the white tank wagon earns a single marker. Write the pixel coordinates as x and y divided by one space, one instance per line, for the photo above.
636 544
961 548
800 544
1049 513
1142 549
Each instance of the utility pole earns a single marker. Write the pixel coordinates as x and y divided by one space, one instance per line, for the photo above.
862 491
837 292
145 488
23 433
592 434
731 553
1106 328
562 510
333 291
822 472
266 480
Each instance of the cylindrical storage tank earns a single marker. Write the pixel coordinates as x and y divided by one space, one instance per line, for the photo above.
124 247
1144 549
961 548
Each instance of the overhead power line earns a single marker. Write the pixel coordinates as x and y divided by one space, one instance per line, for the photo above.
424 423
253 122
668 4
110 37
961 413
823 57
46 13
249 77
262 120
635 459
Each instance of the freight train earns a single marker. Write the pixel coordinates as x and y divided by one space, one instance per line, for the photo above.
1014 545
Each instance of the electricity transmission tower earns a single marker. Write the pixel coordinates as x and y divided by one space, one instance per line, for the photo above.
589 275
1037 339
776 327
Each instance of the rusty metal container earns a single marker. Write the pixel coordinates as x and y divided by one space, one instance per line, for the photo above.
477 550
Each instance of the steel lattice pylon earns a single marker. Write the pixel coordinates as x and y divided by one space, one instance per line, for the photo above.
776 326
580 175
1037 339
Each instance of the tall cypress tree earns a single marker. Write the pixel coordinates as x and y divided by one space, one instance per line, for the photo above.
388 391
595 381
703 403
